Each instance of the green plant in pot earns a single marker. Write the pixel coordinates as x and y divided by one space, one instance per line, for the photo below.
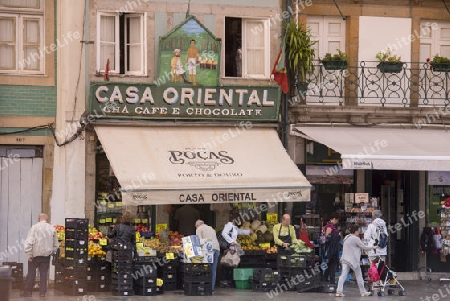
439 63
337 61
300 53
389 62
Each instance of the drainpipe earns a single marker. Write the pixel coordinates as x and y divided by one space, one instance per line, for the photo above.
285 119
86 53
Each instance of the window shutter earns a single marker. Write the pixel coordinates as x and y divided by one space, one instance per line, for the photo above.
8 43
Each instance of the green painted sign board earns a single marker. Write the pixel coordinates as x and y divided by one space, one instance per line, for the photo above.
150 101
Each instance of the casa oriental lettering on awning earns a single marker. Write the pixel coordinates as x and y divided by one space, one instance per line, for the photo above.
120 100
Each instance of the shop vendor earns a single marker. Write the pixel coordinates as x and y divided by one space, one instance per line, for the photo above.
284 235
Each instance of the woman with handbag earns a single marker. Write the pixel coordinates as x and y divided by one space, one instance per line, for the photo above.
331 248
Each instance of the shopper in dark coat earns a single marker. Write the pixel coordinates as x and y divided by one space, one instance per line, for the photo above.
124 233
331 248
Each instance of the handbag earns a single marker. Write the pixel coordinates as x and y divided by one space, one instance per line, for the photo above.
224 245
230 259
303 235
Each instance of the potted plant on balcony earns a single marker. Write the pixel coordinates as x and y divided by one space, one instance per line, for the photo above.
300 53
440 63
389 62
337 61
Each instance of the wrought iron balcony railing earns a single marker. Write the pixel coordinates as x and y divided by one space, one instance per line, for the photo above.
413 84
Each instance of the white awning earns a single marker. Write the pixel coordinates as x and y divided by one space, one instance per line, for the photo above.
385 148
186 164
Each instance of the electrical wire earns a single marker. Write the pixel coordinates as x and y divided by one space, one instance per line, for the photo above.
443 1
35 128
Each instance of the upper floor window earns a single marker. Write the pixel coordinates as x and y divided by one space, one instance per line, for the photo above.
120 38
247 44
434 39
30 4
21 43
329 32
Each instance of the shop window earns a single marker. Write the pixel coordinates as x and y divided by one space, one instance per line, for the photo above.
21 43
121 40
247 44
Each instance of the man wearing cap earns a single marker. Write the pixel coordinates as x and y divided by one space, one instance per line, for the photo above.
177 70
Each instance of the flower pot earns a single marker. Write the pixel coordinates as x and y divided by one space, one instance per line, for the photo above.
334 65
440 67
390 67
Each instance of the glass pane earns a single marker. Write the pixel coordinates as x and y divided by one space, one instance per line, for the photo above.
134 30
333 45
21 3
255 62
8 30
445 33
334 29
444 50
107 52
425 31
314 28
255 34
31 31
134 58
32 58
107 28
7 57
425 52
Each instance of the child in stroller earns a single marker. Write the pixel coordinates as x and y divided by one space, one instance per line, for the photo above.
381 276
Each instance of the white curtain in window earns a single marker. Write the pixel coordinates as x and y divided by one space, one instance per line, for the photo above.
254 43
31 42
107 42
133 44
7 43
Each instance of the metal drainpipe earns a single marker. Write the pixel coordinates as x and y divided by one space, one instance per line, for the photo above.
86 53
286 97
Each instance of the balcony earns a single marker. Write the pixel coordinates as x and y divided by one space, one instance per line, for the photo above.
414 85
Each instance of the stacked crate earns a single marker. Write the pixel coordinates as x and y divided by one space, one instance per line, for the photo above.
76 255
16 273
122 270
98 275
145 281
169 274
197 279
296 273
264 279
60 269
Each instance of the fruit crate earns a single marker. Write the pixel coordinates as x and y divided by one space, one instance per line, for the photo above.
76 243
197 277
145 281
264 286
292 261
197 267
309 282
145 290
76 234
252 261
146 259
243 284
170 285
198 289
74 287
77 223
145 270
122 292
242 274
264 275
122 282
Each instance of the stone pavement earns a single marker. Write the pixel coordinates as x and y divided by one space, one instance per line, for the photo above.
415 290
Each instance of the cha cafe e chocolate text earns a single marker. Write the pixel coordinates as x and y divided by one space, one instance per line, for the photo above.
184 100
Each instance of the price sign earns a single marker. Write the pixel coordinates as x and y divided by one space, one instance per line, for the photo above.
265 245
108 219
111 205
160 227
114 220
145 220
170 256
101 221
272 217
137 220
118 204
103 241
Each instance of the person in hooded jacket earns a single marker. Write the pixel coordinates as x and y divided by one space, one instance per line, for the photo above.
124 233
371 235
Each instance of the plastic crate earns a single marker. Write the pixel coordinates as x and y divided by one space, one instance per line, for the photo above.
292 261
264 286
242 274
146 259
145 270
170 285
145 281
197 276
122 292
122 282
309 282
197 267
121 276
145 291
77 223
76 243
198 289
265 275
76 234
252 261
243 284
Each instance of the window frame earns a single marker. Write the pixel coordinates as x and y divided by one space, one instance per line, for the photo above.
266 48
24 9
19 42
435 40
122 43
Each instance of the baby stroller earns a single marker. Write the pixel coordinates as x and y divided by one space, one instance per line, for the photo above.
380 277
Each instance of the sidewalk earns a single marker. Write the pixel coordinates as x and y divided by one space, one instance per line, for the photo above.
415 290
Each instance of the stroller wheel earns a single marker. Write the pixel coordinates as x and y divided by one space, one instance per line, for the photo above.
402 293
381 294
390 292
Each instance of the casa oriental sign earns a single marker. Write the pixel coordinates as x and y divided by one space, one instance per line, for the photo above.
144 101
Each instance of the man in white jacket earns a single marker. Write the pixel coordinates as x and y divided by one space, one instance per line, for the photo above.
372 234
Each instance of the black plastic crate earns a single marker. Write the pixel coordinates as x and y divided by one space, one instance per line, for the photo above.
198 289
146 259
309 282
122 292
74 287
104 277
264 275
77 223
145 281
18 284
197 267
252 261
121 276
76 252
124 255
104 286
75 271
71 234
146 290
292 261
116 268
76 243
122 282
170 285
147 270
264 286
197 277
77 260
91 286
169 276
